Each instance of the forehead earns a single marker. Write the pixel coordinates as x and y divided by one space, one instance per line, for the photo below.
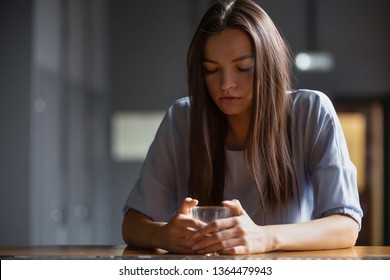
228 44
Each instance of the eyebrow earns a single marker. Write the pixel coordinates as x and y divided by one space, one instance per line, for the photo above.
244 57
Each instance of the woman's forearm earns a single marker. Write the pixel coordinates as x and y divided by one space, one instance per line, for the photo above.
332 232
140 231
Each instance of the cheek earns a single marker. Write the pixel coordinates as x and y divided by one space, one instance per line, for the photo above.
249 89
246 84
211 85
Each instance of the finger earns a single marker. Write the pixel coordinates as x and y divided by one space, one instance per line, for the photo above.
187 204
213 227
209 245
209 239
228 247
185 221
236 207
238 250
205 244
195 225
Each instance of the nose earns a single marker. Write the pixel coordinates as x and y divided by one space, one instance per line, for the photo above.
227 80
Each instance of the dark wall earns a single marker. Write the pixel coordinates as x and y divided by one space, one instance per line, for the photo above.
355 32
15 57
148 51
147 45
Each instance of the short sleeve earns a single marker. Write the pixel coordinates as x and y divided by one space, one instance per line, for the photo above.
162 182
332 173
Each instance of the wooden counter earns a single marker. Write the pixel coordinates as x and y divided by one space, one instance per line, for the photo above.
123 252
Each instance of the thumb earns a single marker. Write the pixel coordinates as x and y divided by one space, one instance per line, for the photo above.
186 205
236 207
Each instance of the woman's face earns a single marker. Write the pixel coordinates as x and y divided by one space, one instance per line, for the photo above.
228 64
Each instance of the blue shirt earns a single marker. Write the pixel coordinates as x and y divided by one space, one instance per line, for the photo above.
326 176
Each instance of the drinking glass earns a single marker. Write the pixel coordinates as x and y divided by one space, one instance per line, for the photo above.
208 214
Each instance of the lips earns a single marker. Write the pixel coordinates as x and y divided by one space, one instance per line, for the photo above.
229 99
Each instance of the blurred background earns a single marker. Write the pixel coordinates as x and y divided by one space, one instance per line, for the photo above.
84 84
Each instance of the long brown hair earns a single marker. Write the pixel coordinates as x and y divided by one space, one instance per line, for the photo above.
267 148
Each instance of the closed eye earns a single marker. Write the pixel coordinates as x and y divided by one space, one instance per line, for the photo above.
208 71
245 69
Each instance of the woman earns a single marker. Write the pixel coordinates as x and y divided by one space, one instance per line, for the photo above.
276 157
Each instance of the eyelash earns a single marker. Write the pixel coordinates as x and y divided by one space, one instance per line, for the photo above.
208 72
243 70
248 69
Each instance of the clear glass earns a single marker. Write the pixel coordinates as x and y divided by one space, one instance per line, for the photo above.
208 214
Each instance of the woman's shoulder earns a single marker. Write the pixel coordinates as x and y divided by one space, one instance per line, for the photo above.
184 101
180 106
305 100
178 113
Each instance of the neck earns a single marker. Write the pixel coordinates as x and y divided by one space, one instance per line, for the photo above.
237 132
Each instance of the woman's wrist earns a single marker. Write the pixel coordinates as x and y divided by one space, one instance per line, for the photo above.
157 233
271 235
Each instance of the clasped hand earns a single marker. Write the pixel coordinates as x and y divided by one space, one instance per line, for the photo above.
234 235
